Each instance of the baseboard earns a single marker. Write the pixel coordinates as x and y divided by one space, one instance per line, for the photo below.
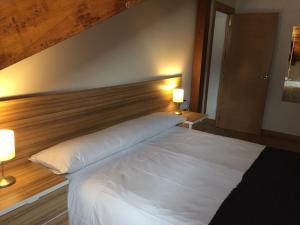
275 134
268 133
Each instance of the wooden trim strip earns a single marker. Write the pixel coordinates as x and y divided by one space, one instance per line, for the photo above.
200 52
221 7
275 134
15 97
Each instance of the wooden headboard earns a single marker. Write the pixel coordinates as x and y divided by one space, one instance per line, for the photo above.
43 120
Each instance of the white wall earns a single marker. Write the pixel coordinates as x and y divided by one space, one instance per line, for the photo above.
216 64
154 38
279 116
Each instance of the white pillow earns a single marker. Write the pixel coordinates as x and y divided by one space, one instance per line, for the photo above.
74 154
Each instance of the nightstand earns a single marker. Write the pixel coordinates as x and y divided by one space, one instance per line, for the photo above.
192 118
39 197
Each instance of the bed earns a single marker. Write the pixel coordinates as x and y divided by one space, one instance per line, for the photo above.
178 177
149 171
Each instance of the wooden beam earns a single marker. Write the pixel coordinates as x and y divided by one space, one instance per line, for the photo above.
200 51
30 26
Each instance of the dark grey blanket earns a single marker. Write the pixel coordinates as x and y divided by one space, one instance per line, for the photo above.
269 193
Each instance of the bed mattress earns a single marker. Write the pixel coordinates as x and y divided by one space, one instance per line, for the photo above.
179 177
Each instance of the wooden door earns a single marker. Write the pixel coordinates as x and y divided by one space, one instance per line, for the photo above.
245 71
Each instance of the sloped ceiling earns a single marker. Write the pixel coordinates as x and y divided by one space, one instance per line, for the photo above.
30 26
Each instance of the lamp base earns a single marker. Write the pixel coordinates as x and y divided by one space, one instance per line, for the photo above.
7 181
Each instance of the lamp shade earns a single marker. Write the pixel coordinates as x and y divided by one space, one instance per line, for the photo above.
178 95
7 145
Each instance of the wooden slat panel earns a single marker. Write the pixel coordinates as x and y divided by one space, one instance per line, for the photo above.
31 180
28 27
61 220
38 212
47 119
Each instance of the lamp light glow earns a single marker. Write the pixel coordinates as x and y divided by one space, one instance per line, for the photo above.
178 95
7 145
7 152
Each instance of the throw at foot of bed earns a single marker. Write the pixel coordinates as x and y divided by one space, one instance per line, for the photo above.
269 193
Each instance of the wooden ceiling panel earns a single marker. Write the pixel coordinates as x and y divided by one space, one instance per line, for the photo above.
30 26
296 39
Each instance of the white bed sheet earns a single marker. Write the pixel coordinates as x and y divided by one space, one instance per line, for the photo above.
180 177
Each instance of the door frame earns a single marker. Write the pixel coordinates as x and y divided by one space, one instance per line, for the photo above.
207 10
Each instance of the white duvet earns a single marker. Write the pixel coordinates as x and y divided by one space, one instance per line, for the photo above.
180 177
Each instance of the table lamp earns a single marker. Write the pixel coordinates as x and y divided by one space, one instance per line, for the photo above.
178 95
7 152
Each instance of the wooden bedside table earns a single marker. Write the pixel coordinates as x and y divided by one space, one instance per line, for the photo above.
38 197
192 118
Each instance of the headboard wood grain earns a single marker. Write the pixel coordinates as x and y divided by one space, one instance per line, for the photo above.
43 120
